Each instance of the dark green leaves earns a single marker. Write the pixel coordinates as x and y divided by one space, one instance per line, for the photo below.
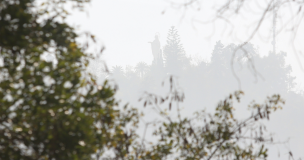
53 110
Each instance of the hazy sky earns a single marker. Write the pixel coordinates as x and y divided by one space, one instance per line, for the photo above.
126 26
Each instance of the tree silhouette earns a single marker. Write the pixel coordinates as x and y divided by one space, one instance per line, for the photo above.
117 71
59 111
129 72
207 82
173 52
141 68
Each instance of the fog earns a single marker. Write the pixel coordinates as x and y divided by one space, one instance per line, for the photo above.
204 84
205 72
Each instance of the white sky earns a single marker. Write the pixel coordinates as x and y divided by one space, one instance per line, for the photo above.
126 26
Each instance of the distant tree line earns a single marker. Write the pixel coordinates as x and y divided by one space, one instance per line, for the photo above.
54 109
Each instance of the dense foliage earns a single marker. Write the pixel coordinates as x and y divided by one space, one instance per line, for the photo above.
52 108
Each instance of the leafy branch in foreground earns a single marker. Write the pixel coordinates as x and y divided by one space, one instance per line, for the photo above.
208 136
53 109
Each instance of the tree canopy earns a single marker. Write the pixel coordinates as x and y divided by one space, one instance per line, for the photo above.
53 108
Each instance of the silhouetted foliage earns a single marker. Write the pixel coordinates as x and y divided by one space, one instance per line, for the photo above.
174 52
205 82
141 68
54 109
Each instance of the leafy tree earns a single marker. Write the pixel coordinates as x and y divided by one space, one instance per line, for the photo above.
52 109
219 60
210 136
141 68
217 51
174 52
117 72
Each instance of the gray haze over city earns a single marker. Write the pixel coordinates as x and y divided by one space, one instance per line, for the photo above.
146 42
